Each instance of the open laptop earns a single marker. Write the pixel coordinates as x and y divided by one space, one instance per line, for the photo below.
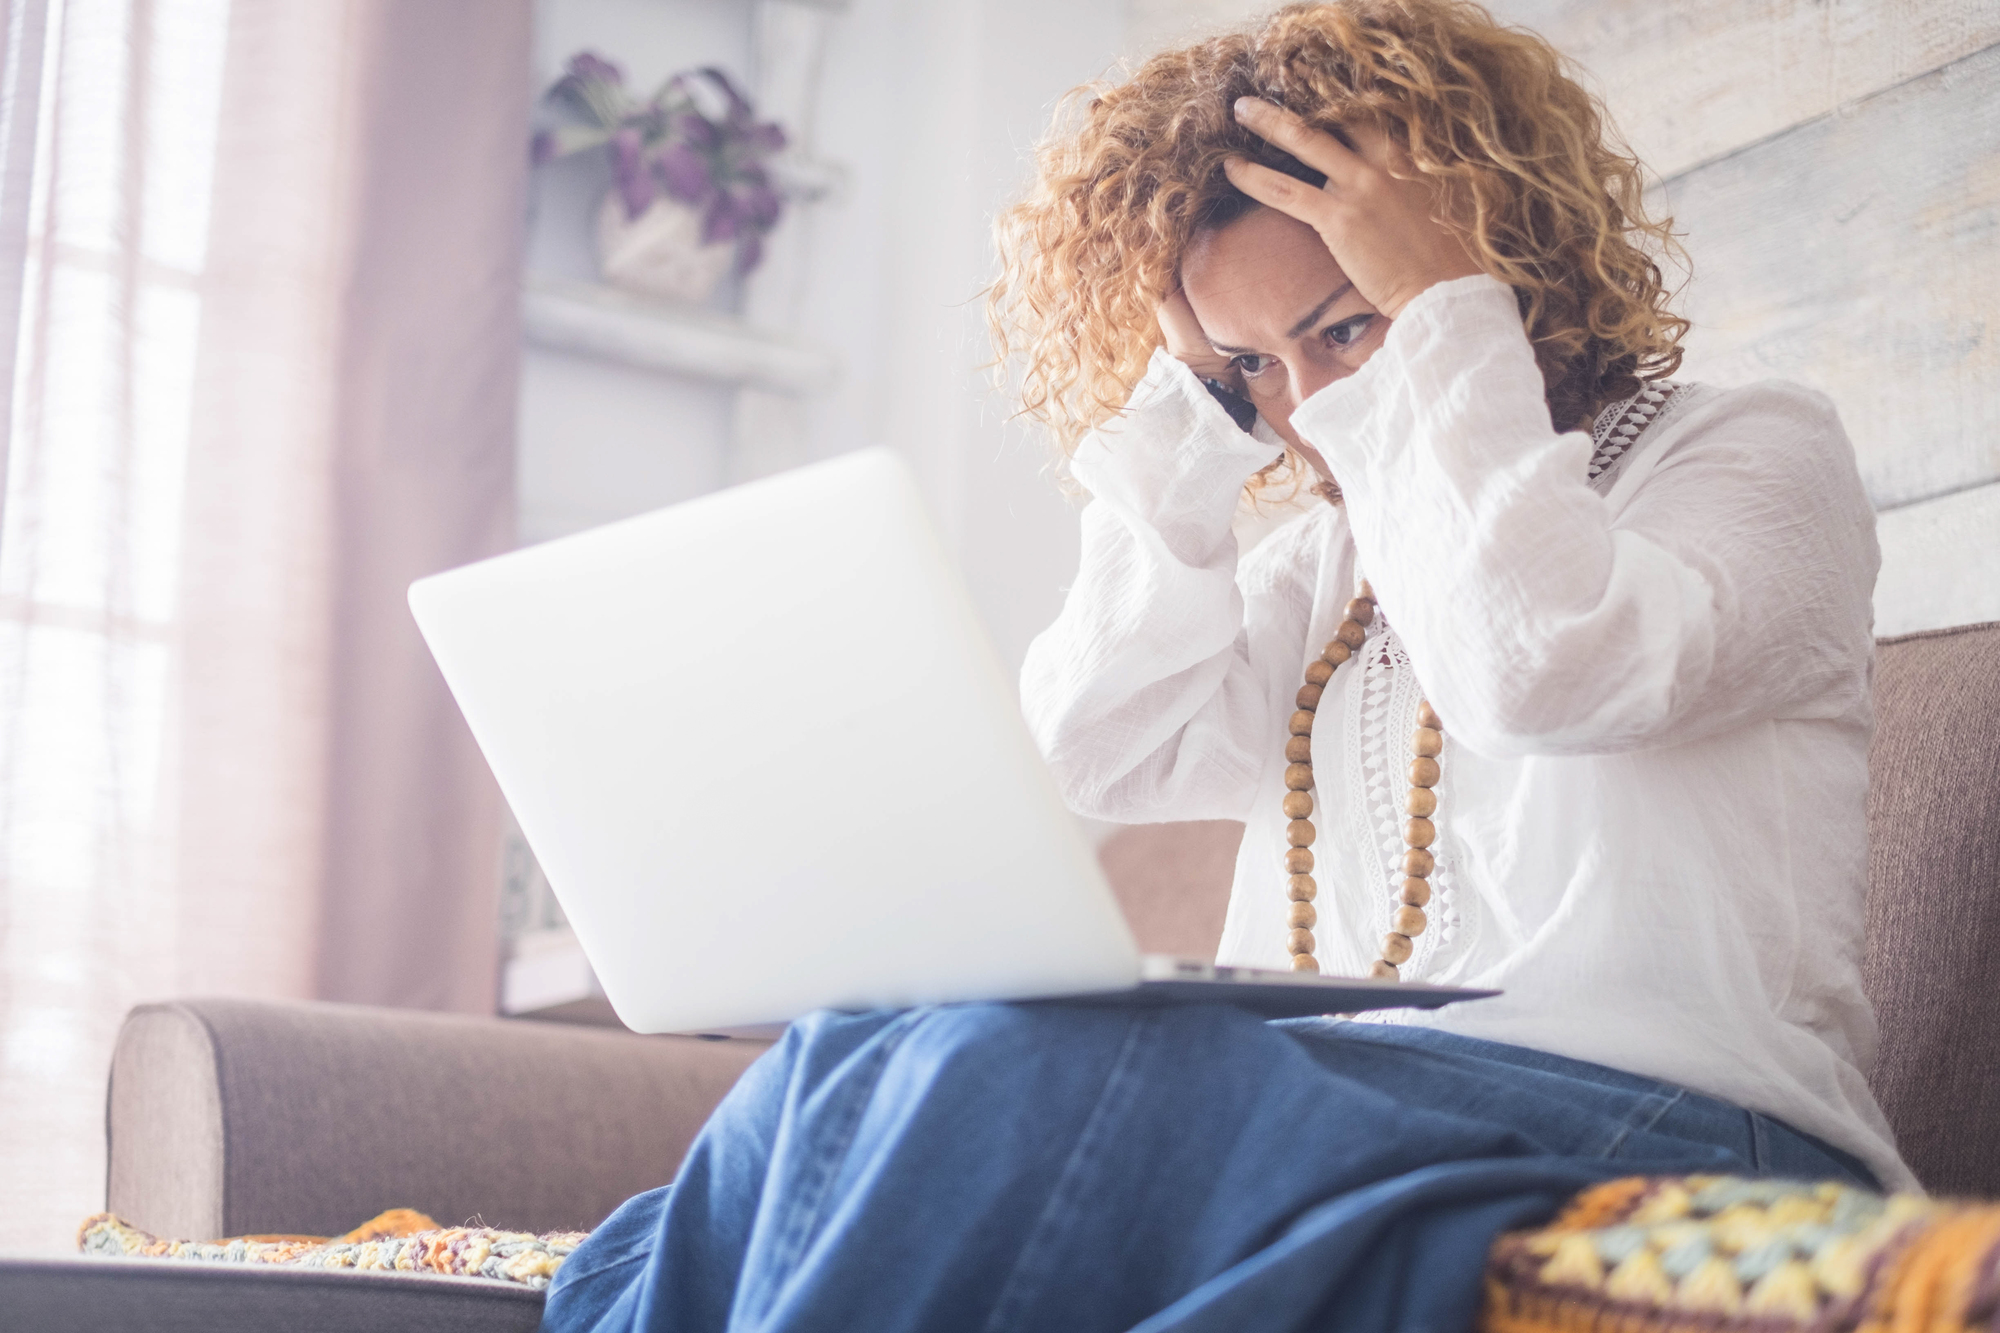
770 763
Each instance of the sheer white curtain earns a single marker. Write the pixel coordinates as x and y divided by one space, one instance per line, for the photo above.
264 375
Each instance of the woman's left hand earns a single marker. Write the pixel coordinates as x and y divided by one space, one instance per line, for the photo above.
1383 231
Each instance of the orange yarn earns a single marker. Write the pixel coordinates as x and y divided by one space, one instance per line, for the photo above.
1602 1205
1928 1288
1922 1266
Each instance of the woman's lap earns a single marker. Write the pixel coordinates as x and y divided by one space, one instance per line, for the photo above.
1036 1166
1516 1085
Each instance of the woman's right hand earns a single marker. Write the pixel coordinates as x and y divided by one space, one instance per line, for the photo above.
1186 343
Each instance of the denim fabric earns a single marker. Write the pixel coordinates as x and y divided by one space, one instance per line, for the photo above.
1049 1166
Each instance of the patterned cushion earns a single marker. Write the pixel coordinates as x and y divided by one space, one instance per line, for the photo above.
1667 1254
398 1241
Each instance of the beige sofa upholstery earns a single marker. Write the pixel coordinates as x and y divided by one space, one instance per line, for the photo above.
227 1117
1933 966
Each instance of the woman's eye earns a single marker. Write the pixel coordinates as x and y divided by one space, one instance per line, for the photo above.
1250 364
1349 331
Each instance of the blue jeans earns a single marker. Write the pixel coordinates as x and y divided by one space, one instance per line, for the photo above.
1064 1167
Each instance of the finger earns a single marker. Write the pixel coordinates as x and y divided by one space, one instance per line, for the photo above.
1181 331
1373 146
1316 148
1274 189
1387 156
1179 326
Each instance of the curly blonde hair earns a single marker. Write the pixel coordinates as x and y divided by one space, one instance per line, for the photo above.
1133 172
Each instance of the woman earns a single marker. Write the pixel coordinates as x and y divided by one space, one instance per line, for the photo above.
1610 657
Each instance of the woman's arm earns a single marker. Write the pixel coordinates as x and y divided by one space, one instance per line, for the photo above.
1141 694
1734 587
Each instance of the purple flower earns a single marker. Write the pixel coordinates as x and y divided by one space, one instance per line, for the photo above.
724 221
696 140
695 129
685 173
761 205
593 88
635 183
590 65
739 106
650 120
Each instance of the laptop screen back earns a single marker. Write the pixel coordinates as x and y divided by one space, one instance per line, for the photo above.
769 762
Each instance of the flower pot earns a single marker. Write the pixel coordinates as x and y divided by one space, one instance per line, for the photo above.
660 252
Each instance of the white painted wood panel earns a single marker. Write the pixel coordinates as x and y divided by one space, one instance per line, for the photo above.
1836 167
1687 82
1940 563
1857 254
1154 25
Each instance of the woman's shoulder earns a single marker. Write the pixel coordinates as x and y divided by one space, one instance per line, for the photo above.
1771 399
1771 431
1754 413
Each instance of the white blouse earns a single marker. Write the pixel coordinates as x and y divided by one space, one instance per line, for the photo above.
1654 687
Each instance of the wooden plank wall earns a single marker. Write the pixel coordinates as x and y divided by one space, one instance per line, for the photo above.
1834 166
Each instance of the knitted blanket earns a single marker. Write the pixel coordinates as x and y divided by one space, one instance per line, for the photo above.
400 1240
1669 1254
1676 1254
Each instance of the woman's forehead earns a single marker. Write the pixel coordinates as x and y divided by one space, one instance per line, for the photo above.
1250 281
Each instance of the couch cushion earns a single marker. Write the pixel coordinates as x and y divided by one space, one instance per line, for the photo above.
107 1295
1933 964
1173 882
233 1117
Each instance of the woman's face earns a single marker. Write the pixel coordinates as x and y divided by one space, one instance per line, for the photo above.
1270 297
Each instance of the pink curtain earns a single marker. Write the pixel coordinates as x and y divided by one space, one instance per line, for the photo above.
265 377
424 480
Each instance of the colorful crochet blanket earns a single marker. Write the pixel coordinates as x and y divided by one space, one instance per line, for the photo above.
1670 1254
400 1241
1680 1253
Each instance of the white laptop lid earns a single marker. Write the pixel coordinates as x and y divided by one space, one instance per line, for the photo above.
769 761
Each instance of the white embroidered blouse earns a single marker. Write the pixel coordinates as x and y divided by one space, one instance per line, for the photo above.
1652 666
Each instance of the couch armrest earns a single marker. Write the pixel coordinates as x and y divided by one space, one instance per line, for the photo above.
109 1295
233 1117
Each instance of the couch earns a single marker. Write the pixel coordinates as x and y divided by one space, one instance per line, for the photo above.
230 1117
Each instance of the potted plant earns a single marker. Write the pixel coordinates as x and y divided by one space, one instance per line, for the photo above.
692 198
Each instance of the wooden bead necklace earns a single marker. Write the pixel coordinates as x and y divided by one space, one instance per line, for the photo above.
1426 744
1617 430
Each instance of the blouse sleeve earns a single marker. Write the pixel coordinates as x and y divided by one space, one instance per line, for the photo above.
1141 694
1733 587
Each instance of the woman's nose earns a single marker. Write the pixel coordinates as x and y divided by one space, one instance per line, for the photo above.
1311 378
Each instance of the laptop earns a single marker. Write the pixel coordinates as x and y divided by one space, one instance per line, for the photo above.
770 763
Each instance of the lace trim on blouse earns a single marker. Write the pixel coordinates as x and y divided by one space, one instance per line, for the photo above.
1619 426
1378 725
1384 712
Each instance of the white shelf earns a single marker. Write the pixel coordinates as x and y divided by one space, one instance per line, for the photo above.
547 968
589 319
548 977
